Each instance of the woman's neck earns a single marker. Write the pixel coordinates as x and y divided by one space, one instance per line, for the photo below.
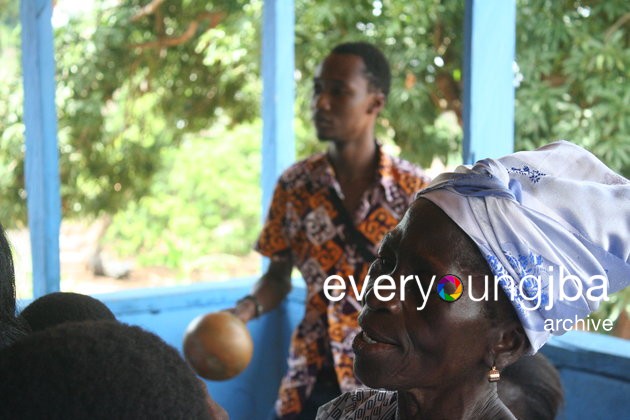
458 402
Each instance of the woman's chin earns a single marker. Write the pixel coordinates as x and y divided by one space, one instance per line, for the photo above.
373 375
375 362
375 383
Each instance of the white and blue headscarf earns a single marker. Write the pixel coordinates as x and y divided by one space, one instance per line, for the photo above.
539 217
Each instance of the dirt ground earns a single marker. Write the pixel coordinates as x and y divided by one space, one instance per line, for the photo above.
77 246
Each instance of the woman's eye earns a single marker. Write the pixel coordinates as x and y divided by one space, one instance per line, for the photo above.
384 263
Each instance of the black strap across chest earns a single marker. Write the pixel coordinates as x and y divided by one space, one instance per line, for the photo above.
354 237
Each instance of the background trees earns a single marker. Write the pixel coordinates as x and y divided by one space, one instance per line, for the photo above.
136 76
154 94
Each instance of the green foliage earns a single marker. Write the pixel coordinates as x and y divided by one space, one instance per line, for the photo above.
617 304
424 43
205 200
135 76
575 63
132 81
11 125
141 80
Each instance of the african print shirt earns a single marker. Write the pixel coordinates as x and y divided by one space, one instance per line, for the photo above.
364 404
307 219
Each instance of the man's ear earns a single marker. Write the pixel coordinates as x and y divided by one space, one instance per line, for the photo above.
509 345
377 104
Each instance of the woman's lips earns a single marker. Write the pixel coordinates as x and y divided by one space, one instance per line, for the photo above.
364 344
373 337
368 339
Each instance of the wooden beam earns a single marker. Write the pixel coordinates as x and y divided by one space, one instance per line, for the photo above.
489 51
41 160
278 66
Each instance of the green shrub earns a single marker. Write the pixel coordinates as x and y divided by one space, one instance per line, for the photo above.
205 200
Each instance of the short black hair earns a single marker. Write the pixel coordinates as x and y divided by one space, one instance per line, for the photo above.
59 307
531 388
98 370
11 327
377 68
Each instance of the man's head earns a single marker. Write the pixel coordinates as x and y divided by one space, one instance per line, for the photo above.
376 65
350 88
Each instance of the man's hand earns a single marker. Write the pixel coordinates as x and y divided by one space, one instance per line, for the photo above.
269 291
245 310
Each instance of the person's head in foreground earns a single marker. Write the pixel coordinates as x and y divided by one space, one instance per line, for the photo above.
11 326
98 370
531 388
60 307
529 219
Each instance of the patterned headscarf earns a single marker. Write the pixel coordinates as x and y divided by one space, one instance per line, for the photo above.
553 225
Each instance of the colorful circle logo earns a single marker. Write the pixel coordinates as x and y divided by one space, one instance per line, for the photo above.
450 288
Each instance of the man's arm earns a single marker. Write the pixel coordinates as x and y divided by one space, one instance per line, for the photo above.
269 291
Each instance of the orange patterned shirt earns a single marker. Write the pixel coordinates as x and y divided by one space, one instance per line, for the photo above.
306 220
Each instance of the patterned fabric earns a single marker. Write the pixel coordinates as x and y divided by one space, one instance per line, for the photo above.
363 404
304 221
553 225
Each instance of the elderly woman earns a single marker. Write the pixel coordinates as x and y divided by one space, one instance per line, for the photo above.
547 230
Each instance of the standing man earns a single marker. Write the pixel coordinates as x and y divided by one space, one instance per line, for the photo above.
328 214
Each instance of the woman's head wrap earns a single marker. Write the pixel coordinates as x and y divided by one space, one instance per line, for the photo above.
553 225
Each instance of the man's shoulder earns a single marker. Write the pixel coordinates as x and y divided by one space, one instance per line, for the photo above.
404 168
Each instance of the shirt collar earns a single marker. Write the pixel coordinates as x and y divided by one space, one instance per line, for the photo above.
384 174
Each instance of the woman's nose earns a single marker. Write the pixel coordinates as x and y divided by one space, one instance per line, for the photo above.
383 294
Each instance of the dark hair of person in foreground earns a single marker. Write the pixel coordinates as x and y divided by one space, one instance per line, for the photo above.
60 307
531 388
98 370
11 327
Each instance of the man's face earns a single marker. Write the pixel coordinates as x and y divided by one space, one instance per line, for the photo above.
343 105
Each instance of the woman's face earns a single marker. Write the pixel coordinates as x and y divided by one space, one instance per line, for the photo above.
402 347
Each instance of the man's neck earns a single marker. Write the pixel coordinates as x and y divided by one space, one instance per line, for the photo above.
353 161
355 165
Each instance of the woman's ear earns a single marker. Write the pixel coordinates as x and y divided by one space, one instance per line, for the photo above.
509 345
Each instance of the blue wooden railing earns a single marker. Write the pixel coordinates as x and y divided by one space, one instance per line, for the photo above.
595 369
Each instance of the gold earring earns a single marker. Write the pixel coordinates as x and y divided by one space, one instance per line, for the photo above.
494 375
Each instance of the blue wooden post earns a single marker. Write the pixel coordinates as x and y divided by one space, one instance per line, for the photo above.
278 57
278 152
489 50
40 120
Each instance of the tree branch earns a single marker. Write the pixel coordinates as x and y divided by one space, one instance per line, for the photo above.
620 22
165 42
149 9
